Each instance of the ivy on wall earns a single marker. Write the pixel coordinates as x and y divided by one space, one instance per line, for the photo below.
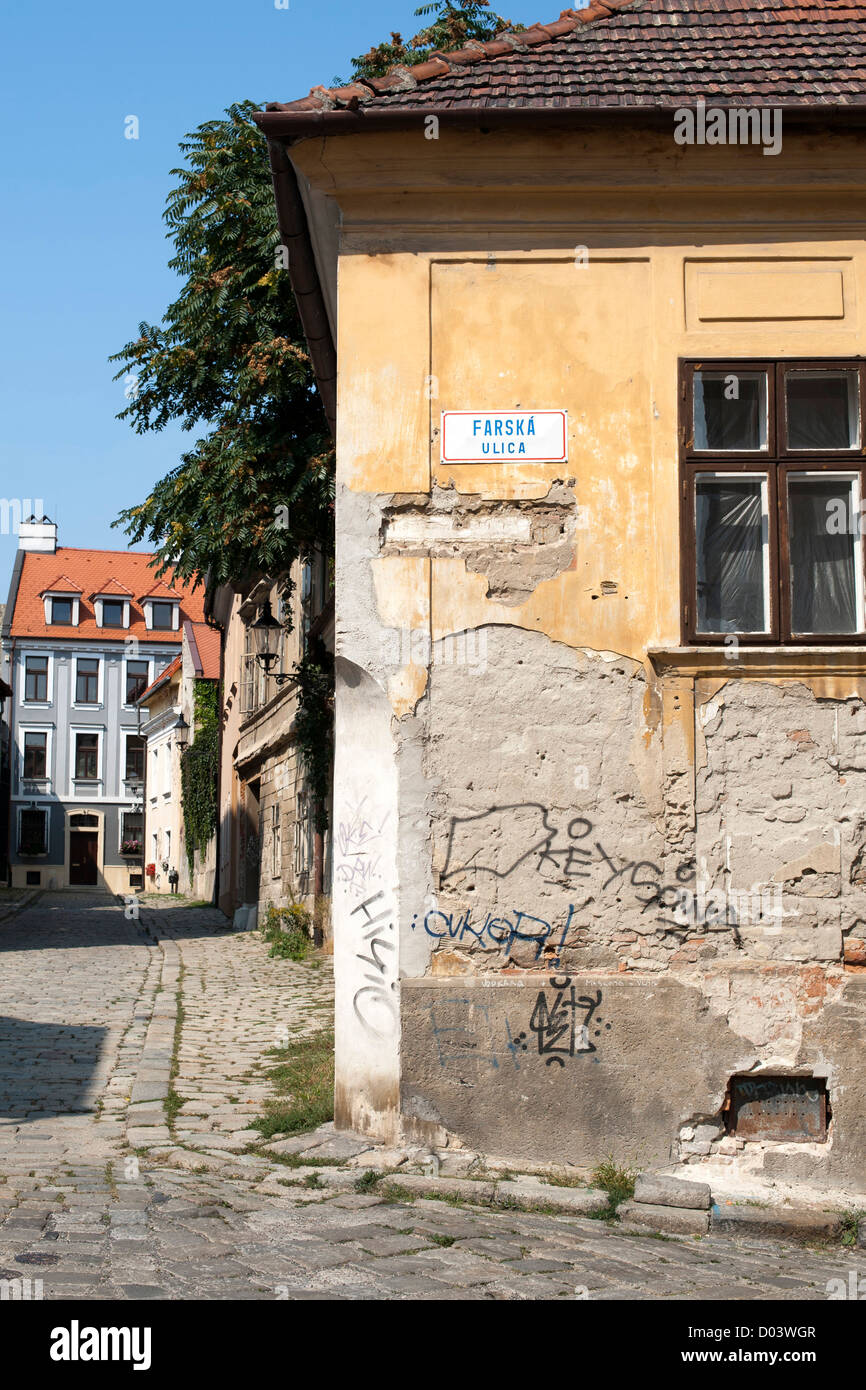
314 724
199 771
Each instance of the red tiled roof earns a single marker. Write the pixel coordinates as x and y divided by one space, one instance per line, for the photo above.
171 669
627 53
205 649
160 590
62 585
90 570
112 586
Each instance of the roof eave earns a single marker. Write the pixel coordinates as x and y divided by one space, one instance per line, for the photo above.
285 127
295 237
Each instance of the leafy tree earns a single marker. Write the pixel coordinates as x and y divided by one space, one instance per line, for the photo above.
453 26
229 356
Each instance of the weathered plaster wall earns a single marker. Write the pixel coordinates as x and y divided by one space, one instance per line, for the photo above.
524 790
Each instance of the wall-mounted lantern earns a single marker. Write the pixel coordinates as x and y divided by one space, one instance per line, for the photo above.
266 635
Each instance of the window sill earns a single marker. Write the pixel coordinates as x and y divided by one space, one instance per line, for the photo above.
764 661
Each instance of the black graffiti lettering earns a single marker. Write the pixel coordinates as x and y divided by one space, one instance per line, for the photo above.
373 958
556 1024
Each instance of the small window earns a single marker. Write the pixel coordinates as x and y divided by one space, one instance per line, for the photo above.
87 680
61 612
788 1109
131 833
772 539
162 615
35 755
826 561
33 832
822 410
303 855
730 411
134 771
35 679
732 530
136 680
276 842
87 757
112 613
33 878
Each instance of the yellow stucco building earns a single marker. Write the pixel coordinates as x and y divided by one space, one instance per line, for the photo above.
596 292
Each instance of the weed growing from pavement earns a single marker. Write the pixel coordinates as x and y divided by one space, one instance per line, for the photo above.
368 1181
616 1181
304 1083
288 931
173 1101
292 1160
850 1223
173 1104
439 1239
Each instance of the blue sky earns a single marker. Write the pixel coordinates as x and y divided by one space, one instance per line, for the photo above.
83 243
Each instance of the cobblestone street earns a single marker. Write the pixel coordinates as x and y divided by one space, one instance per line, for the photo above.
104 1193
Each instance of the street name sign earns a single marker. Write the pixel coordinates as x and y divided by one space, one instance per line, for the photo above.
504 436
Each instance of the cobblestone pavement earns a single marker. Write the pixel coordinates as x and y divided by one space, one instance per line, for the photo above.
193 1213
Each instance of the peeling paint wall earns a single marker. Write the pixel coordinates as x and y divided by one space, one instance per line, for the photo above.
588 877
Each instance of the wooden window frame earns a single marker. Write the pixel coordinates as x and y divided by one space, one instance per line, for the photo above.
36 677
35 776
777 463
84 754
86 677
138 756
129 702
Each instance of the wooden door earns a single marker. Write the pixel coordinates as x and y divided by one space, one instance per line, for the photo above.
83 857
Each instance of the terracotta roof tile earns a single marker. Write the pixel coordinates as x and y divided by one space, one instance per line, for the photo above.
205 649
171 669
633 53
62 585
160 590
112 586
84 572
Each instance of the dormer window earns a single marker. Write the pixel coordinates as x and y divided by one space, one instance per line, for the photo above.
111 605
61 600
162 616
112 613
61 612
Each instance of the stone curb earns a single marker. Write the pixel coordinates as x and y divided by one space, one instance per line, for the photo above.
14 908
784 1223
145 1121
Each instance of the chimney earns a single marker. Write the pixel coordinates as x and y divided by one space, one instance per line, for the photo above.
37 534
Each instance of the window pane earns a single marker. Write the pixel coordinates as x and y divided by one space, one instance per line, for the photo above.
162 615
36 678
823 410
86 753
35 747
61 611
731 530
87 681
112 614
134 758
730 411
826 566
136 680
32 832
